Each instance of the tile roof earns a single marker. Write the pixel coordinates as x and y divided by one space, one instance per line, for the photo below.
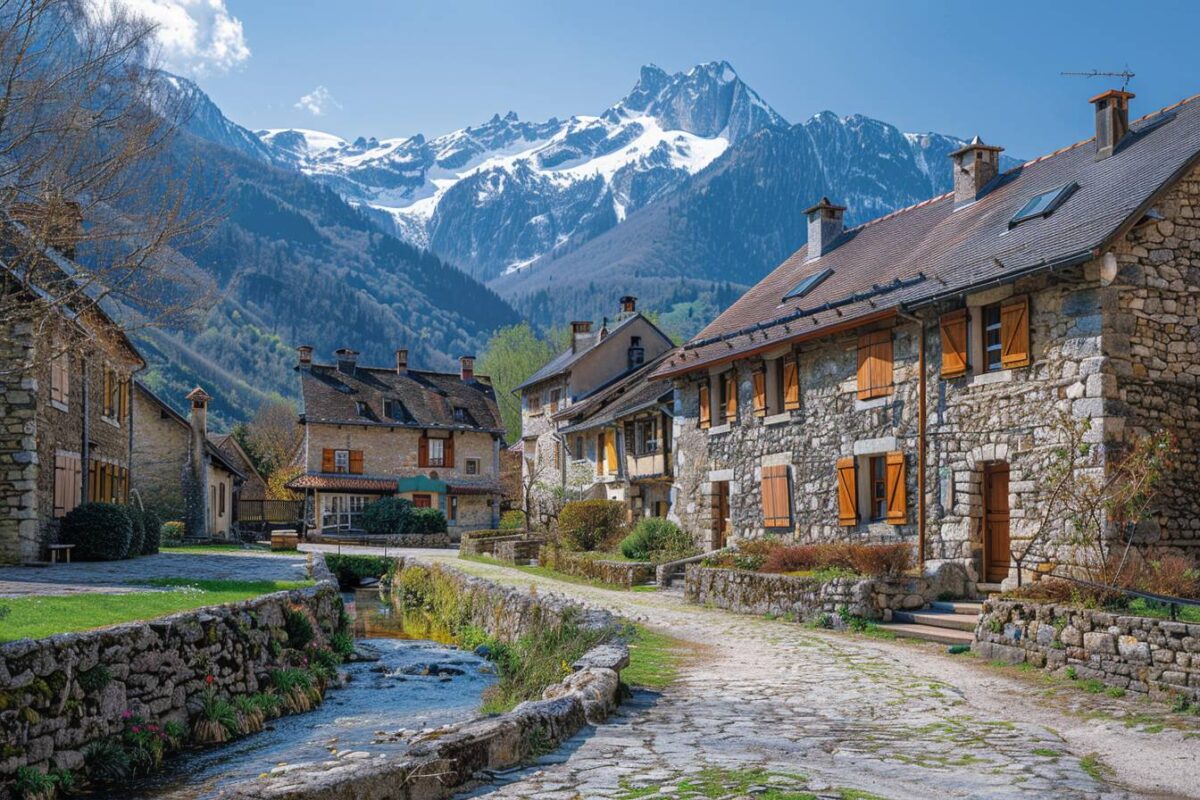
429 399
634 392
212 444
563 362
931 250
343 483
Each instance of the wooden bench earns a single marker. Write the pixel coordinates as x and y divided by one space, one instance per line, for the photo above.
284 540
65 549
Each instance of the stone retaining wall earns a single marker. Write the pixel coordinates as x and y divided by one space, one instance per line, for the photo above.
155 669
441 762
618 573
442 539
804 598
474 544
1151 656
519 551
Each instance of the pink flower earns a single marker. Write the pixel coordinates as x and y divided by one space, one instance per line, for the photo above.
126 714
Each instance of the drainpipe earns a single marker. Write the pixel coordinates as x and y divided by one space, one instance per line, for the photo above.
920 439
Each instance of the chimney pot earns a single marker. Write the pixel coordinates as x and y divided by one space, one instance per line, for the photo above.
305 352
401 361
581 335
347 359
975 165
824 227
1112 120
466 368
628 304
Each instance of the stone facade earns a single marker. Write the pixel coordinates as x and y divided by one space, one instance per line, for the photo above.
1158 657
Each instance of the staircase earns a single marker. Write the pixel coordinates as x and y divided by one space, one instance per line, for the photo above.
943 622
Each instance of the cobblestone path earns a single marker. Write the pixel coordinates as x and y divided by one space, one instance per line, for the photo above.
776 710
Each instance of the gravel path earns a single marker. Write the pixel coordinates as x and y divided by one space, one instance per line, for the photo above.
766 705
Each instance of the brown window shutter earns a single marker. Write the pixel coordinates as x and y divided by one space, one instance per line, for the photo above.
356 462
954 343
777 502
327 464
1014 332
897 509
705 407
760 392
123 411
791 385
874 364
731 398
423 451
448 452
60 486
76 479
847 489
107 402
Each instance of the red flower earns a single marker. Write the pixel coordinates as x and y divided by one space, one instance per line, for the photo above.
209 679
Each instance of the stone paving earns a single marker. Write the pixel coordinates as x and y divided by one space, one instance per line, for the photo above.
117 576
776 709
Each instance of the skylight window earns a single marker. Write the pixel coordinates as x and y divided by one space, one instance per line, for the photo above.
807 284
1044 204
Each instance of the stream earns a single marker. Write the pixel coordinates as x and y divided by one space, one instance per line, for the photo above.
382 698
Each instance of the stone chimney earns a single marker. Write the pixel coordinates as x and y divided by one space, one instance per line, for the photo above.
975 164
824 227
305 351
195 484
1112 120
581 335
401 361
347 359
628 304
466 368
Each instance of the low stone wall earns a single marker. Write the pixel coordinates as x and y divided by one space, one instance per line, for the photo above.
443 761
399 540
804 598
519 551
1151 656
483 543
618 573
59 694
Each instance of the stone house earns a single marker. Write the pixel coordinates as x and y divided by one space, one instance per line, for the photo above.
166 446
594 363
897 381
254 486
430 437
65 414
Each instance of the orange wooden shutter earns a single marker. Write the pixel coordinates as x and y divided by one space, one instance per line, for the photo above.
610 452
954 343
731 396
705 407
847 488
1014 332
448 453
776 500
760 392
76 480
874 364
897 509
791 385
356 462
423 451
327 464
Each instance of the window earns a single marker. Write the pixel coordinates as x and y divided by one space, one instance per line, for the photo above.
451 509
341 460
807 284
600 452
461 415
362 408
342 511
437 452
107 482
878 488
67 473
60 379
642 436
115 400
705 407
729 405
534 401
1044 204
637 353
472 467
883 491
394 409
221 499
992 343
422 500
577 452
874 364
554 395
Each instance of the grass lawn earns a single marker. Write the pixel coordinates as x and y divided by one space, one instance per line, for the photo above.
37 617
206 549
1149 608
654 659
546 572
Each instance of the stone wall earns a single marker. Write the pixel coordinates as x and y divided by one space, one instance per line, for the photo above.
397 540
18 444
156 669
802 598
1158 657
519 551
625 574
483 543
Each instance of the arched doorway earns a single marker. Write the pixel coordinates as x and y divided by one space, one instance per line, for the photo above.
997 556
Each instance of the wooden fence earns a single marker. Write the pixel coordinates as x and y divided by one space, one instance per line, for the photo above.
270 512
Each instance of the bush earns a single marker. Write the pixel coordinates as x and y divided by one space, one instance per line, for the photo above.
151 530
873 560
172 532
591 524
99 531
299 629
512 521
881 560
137 531
388 516
428 520
1171 575
656 538
350 570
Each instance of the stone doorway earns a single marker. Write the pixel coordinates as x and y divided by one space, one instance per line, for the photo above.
997 556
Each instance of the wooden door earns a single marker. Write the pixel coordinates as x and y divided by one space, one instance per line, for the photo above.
720 508
996 544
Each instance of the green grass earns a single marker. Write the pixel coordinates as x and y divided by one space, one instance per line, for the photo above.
1093 766
209 549
654 659
546 572
38 617
1148 608
1045 752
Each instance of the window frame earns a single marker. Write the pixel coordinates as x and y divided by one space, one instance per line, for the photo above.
986 329
338 457
471 466
440 460
877 488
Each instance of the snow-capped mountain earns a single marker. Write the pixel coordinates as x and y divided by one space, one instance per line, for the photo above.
495 197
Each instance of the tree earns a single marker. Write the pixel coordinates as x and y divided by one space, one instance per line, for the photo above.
511 356
85 170
271 439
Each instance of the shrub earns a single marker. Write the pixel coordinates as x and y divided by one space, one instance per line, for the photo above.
299 629
512 520
151 531
428 520
791 559
172 532
1171 575
388 516
881 560
656 538
591 524
106 761
95 679
99 531
351 569
137 531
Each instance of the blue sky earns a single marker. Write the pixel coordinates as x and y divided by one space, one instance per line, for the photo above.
398 68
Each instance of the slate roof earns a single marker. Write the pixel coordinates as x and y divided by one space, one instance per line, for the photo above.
211 445
429 398
633 393
931 251
563 362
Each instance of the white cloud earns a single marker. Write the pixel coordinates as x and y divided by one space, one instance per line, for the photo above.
317 102
195 37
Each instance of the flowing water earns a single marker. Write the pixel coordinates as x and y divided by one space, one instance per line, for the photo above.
420 681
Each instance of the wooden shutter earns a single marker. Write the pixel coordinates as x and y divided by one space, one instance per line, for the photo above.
1014 332
356 462
874 364
897 509
791 385
705 407
93 494
847 489
108 393
610 452
327 463
448 452
731 390
60 486
123 411
423 451
776 499
76 480
954 343
760 392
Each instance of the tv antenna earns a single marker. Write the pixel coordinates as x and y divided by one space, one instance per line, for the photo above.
1124 74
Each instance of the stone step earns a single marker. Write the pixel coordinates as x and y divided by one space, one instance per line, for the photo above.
928 633
938 619
988 588
957 607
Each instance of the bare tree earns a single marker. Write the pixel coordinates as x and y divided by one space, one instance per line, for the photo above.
87 176
274 434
